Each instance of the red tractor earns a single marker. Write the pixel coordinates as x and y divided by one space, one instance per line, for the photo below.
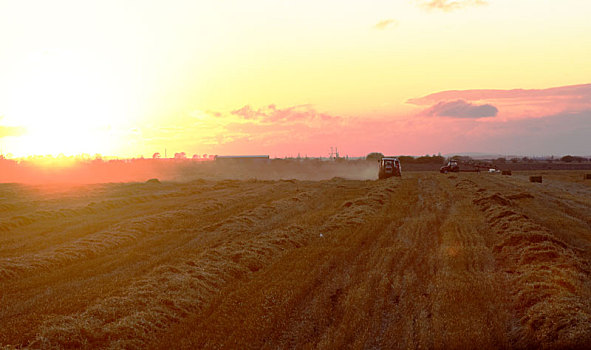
451 167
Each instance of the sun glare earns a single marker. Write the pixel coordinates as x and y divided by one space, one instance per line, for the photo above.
65 105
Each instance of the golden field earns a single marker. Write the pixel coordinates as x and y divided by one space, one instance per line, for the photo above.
464 260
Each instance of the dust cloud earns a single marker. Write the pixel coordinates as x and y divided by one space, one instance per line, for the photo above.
140 170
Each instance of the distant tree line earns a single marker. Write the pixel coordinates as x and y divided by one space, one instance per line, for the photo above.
569 159
566 159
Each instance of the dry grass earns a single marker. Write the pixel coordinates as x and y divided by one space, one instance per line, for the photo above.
435 261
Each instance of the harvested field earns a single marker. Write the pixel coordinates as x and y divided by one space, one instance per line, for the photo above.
429 260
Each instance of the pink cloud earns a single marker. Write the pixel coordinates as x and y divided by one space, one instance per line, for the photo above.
246 112
518 103
272 114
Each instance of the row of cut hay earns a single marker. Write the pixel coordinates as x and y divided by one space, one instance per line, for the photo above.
170 293
173 292
88 246
547 278
266 214
566 194
166 296
101 242
224 184
354 213
5 207
91 208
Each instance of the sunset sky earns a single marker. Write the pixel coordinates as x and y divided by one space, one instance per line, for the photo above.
130 78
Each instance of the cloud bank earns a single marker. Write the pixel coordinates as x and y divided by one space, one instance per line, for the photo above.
572 93
462 109
516 103
528 122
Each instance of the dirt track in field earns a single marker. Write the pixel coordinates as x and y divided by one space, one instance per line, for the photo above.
429 261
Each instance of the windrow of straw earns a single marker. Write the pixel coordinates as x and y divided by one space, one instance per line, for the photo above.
547 278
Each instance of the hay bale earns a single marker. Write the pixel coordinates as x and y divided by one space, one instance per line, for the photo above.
506 172
587 177
535 179
153 181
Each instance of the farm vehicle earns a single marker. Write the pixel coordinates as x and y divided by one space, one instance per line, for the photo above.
389 166
451 167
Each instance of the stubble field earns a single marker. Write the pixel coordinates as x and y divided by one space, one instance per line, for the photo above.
429 260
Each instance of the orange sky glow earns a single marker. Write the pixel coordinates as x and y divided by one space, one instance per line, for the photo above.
131 78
